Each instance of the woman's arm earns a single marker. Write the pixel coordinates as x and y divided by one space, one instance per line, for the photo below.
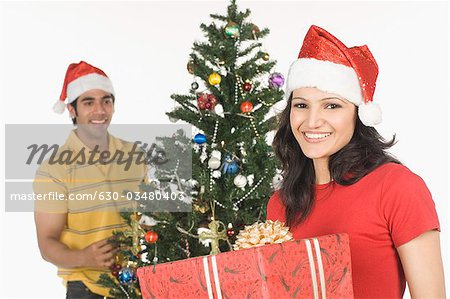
422 264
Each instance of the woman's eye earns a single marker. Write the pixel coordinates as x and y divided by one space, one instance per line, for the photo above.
333 106
300 105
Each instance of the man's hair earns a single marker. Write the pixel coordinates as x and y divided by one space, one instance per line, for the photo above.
365 152
74 105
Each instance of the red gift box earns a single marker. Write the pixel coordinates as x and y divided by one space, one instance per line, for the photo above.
308 268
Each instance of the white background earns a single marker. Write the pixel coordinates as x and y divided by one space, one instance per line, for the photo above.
144 48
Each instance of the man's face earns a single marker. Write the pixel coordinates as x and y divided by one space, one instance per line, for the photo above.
94 112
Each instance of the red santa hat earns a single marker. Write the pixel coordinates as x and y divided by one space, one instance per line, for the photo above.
81 77
326 63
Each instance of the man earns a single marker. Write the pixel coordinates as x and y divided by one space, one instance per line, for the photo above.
73 234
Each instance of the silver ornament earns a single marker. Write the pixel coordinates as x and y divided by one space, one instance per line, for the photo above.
240 181
277 181
214 163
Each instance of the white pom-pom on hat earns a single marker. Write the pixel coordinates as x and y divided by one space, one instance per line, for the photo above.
370 114
59 107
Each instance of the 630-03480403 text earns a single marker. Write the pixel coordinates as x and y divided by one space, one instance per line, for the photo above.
104 196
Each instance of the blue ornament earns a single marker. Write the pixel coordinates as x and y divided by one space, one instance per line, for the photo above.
199 138
233 168
230 166
126 276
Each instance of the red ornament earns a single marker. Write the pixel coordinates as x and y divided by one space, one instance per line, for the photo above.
117 267
230 232
212 99
247 86
115 273
206 101
246 107
201 101
151 237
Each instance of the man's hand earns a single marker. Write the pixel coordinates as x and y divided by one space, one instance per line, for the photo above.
99 254
49 227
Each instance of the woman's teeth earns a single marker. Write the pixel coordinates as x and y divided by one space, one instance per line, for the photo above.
316 136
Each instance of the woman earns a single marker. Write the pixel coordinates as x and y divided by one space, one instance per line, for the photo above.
339 179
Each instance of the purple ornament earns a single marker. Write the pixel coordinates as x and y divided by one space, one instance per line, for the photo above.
276 80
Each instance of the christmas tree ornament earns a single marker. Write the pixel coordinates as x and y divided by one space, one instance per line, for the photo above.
199 138
255 31
246 107
203 155
147 221
232 30
216 174
230 230
240 181
115 273
151 237
216 154
213 235
136 233
201 101
276 80
194 86
206 101
219 110
247 86
214 163
265 56
127 276
201 208
190 67
173 119
144 257
117 267
213 100
214 79
258 234
277 181
250 179
232 168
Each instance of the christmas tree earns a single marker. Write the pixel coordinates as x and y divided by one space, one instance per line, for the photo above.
233 167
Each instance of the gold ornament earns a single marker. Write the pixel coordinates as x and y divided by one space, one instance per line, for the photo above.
136 233
265 56
190 67
214 79
258 234
214 235
201 208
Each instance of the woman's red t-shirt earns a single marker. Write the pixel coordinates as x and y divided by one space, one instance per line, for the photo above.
384 210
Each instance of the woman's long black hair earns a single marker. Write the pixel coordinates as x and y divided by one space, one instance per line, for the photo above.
365 152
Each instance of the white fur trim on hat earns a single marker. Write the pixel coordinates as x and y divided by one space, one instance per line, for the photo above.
325 75
369 114
82 84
